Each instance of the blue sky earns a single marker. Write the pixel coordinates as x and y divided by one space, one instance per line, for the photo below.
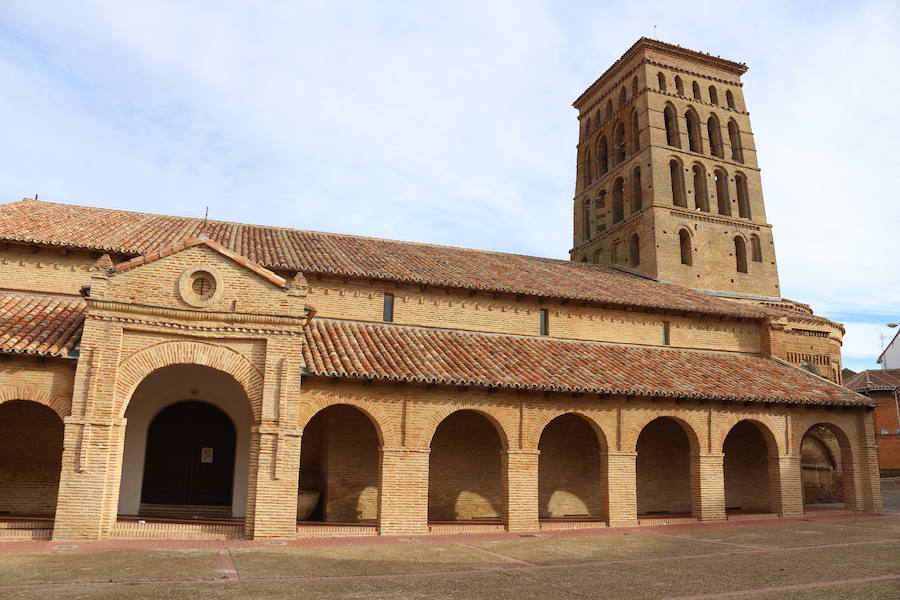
448 122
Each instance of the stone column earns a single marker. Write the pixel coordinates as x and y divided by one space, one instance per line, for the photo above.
522 490
786 486
708 486
620 491
273 482
403 491
89 478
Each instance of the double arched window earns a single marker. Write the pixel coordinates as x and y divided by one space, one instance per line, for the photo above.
684 242
734 137
676 176
714 131
701 195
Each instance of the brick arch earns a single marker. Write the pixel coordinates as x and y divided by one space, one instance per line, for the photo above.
767 425
385 427
853 498
134 369
433 421
691 425
532 437
61 405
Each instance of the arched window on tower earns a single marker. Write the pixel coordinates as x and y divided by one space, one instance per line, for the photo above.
587 127
623 96
670 121
695 141
755 248
684 242
714 130
722 192
729 99
634 250
609 110
635 133
701 194
677 178
602 156
619 143
634 86
600 204
740 254
586 219
695 88
661 81
713 95
618 200
588 166
743 196
679 85
636 191
734 137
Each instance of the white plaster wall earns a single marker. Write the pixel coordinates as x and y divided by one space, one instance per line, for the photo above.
890 359
168 386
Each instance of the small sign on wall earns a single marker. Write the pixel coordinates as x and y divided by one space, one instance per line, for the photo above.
206 455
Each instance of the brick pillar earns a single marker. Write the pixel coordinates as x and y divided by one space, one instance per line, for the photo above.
620 491
89 478
708 486
869 479
786 486
274 480
403 491
522 490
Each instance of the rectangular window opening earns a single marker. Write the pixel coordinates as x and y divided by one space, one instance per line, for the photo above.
388 315
666 333
545 321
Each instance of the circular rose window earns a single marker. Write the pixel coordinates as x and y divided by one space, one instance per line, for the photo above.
203 284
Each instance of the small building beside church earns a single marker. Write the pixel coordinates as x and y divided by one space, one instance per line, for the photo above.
170 377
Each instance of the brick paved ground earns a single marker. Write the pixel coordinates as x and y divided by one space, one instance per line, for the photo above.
827 557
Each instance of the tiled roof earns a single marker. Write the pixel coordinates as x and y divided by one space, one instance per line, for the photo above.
311 252
42 325
414 354
874 379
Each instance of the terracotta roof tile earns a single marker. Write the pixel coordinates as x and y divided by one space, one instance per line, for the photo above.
311 252
400 353
42 325
874 379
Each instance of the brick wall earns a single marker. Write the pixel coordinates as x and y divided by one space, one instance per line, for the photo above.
886 419
746 468
465 479
48 270
31 443
663 468
570 477
350 465
820 461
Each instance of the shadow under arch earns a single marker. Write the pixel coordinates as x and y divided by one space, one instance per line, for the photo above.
667 449
467 469
340 466
750 467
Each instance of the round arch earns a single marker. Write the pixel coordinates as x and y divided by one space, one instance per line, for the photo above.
837 483
532 435
431 423
667 448
386 427
692 429
61 405
768 426
751 476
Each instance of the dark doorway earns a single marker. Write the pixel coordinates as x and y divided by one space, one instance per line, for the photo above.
190 456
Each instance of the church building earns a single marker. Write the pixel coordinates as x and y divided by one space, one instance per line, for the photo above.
170 377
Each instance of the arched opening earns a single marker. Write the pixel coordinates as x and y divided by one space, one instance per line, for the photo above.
714 130
636 191
635 132
676 177
31 445
634 86
684 242
663 469
619 143
634 250
729 99
588 176
623 96
618 200
670 121
661 81
740 254
609 110
755 248
701 194
743 196
339 467
734 138
465 470
570 473
722 199
587 126
824 455
695 88
679 85
586 219
600 204
695 142
602 156
187 445
746 469
713 95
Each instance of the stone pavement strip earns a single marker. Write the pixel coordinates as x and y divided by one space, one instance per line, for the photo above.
833 557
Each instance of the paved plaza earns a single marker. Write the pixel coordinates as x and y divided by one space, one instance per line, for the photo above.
826 557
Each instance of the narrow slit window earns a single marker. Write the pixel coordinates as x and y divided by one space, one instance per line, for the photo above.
388 315
667 333
545 321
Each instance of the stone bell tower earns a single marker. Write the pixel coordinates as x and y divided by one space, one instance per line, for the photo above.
667 179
